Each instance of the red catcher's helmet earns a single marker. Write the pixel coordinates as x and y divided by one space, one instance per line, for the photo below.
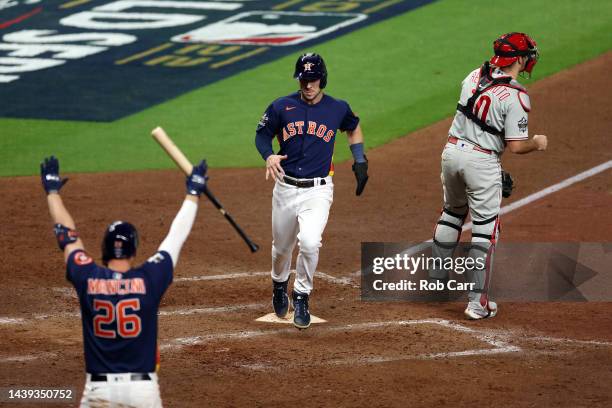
510 46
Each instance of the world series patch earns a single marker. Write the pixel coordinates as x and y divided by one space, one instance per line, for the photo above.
522 124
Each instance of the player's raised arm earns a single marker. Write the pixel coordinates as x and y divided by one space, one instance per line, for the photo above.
181 226
64 228
360 166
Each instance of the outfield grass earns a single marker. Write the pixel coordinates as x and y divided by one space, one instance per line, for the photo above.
399 75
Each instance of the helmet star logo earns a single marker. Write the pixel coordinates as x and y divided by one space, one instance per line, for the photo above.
308 66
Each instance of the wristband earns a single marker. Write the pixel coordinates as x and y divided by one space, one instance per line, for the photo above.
357 151
64 235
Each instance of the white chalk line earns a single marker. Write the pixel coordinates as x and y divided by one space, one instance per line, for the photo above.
245 334
522 202
66 291
568 341
499 340
498 346
12 320
550 190
69 291
237 275
174 312
26 357
212 310
522 336
347 281
243 275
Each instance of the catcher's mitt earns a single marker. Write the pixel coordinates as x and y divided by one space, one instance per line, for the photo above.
507 184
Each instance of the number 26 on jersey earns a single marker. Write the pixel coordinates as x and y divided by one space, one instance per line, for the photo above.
128 323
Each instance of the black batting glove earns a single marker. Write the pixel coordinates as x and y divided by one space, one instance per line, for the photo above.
361 175
507 184
196 181
49 175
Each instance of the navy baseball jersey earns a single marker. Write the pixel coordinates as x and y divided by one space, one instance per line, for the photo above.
306 133
119 312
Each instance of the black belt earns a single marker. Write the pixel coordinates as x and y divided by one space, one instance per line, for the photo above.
302 183
133 377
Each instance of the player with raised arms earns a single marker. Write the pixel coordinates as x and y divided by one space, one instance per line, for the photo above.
119 301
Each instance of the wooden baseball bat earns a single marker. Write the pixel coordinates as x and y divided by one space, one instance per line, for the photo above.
174 152
185 165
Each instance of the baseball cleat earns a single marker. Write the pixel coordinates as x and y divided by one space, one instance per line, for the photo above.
280 299
475 311
301 316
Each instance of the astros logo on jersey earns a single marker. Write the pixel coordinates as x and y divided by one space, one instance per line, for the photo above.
297 128
82 259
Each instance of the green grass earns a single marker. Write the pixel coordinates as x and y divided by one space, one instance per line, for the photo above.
399 75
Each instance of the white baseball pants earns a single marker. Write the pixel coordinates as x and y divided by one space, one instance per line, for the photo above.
299 215
119 391
471 180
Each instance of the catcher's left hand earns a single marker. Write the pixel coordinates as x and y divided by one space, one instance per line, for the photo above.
507 184
361 175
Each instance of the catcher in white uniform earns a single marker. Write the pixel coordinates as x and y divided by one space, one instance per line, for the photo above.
492 114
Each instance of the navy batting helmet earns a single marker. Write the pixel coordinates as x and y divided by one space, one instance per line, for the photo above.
120 241
311 67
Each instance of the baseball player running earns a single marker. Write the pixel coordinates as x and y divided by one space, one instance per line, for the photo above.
492 113
305 124
119 302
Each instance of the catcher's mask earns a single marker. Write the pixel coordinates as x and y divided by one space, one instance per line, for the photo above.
510 46
311 67
120 241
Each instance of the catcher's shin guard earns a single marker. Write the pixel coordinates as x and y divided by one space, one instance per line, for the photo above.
446 237
485 234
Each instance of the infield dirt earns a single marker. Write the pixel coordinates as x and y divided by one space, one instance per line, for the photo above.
238 362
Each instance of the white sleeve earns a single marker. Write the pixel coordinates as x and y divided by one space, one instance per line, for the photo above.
517 118
179 230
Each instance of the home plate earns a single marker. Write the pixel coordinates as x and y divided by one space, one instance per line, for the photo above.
273 318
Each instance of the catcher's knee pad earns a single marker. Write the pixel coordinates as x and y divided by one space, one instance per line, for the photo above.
446 236
486 232
448 229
